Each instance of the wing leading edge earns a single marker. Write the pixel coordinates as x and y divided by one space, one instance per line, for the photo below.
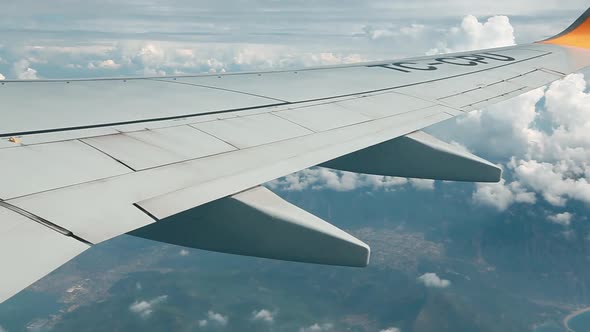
180 159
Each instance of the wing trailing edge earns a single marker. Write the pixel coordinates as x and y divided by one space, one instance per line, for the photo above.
418 155
259 223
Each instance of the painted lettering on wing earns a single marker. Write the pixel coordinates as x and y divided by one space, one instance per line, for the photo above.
469 60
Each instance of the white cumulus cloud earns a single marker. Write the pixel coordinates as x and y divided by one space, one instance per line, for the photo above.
2 77
317 327
501 195
104 64
319 178
23 71
500 131
556 182
422 184
157 58
263 315
433 281
145 308
472 34
413 30
214 318
563 219
543 140
391 329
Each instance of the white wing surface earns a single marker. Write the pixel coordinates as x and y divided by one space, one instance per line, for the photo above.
180 159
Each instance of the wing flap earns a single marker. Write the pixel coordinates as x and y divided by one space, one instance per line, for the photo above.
29 251
259 223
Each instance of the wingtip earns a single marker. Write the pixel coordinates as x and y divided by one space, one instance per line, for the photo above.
577 34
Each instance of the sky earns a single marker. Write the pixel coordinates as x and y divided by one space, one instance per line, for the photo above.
113 38
540 139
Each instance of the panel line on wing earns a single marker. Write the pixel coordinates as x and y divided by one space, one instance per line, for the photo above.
551 71
43 222
293 122
192 125
217 88
523 89
146 212
108 155
121 123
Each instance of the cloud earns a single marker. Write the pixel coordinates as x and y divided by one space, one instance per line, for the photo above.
183 252
542 138
214 318
157 57
470 34
3 329
23 71
422 184
556 163
554 181
2 77
501 195
496 31
563 219
397 33
217 318
263 315
391 329
139 39
317 327
145 308
165 53
165 58
104 64
501 131
319 178
433 281
414 30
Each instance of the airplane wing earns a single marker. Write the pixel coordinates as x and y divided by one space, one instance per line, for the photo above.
182 159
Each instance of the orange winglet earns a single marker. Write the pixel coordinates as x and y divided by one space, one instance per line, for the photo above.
577 34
